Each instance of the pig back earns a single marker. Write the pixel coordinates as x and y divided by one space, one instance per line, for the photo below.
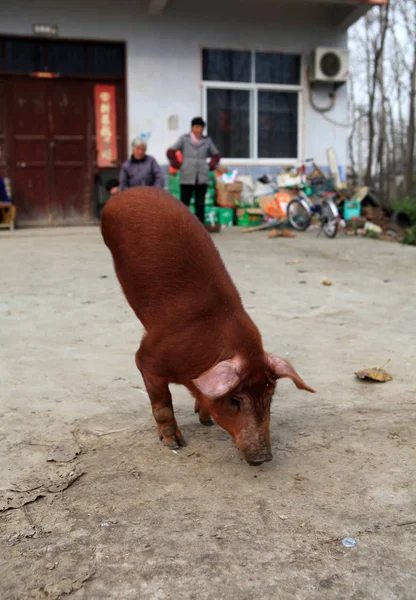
166 262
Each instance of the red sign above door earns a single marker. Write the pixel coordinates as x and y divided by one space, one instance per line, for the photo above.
106 126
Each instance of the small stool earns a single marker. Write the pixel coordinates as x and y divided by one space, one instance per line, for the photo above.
7 215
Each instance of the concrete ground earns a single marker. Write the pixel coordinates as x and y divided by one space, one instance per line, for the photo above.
129 519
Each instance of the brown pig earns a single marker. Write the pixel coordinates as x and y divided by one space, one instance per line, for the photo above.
197 332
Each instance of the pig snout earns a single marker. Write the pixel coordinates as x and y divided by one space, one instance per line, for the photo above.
255 448
259 460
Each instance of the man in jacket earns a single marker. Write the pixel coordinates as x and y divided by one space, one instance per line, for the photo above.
194 170
140 169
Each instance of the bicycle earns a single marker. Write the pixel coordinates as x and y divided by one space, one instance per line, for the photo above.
301 209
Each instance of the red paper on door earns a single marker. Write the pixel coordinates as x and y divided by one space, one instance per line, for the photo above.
105 124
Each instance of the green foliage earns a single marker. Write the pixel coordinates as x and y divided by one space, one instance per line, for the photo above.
406 205
410 236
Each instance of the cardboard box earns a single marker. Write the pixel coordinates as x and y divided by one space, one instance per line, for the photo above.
228 194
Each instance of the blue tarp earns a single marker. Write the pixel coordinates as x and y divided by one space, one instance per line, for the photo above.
3 192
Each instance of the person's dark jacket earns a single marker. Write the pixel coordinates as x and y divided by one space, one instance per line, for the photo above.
144 172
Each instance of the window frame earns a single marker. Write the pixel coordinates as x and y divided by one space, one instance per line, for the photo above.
254 88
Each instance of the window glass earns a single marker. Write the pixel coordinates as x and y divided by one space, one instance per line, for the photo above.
226 65
65 58
24 56
229 121
277 68
104 59
277 124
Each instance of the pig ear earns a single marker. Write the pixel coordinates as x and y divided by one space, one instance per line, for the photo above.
219 380
283 369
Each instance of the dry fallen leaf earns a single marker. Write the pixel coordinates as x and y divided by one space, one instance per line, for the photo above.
375 374
326 282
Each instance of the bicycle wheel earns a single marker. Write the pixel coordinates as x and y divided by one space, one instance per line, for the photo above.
330 219
298 215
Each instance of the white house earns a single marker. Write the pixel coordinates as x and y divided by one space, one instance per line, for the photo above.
244 66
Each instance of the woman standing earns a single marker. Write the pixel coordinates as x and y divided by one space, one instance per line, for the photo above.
196 149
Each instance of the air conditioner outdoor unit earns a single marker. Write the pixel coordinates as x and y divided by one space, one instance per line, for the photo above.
330 65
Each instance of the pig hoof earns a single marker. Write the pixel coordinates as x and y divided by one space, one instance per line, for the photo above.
207 422
175 442
173 445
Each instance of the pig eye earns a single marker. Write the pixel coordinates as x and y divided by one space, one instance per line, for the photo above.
236 403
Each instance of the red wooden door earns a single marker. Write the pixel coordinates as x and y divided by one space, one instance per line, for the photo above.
51 170
27 117
47 124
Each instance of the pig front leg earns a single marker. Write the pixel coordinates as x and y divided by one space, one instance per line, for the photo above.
201 410
203 414
162 408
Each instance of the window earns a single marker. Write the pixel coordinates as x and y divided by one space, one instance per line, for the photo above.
105 59
67 58
252 103
24 56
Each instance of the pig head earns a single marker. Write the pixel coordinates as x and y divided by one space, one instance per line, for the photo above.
239 397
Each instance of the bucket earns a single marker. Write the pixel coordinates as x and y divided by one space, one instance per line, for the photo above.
352 208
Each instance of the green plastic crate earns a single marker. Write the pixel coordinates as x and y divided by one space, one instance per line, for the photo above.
173 182
226 216
211 215
247 220
244 220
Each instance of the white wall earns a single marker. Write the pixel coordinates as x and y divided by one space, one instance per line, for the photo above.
164 53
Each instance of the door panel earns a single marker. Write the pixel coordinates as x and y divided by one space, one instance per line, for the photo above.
28 117
71 186
3 139
31 147
29 183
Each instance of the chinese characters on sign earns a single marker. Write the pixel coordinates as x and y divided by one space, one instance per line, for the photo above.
105 123
44 29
